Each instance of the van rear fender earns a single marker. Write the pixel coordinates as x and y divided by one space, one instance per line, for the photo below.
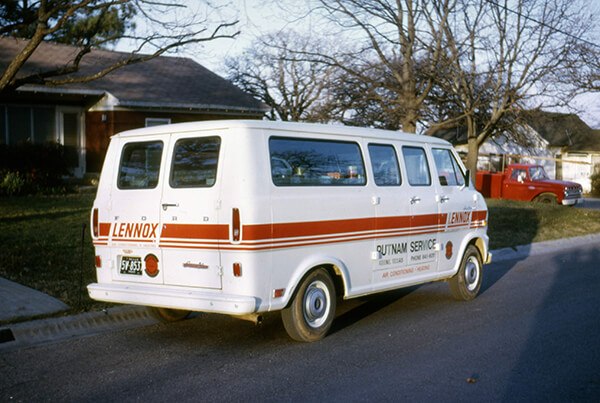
336 268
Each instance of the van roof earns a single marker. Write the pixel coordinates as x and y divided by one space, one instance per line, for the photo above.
316 128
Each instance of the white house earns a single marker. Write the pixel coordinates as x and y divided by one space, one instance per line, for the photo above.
567 147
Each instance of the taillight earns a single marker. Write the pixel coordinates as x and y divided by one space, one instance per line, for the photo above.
95 225
98 261
237 269
236 224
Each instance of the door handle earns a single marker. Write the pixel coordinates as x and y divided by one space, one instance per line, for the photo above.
444 199
165 206
415 199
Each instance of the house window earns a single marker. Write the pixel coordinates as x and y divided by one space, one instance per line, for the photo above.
157 121
44 125
20 124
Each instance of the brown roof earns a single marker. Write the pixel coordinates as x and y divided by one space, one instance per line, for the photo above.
168 82
564 130
559 129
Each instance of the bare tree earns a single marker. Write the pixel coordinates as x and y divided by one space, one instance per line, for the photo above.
583 68
166 30
294 89
503 56
392 35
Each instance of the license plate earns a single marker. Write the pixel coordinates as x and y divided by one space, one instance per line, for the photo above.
131 265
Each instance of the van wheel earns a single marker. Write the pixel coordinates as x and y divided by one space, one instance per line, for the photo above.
311 312
465 285
546 198
167 315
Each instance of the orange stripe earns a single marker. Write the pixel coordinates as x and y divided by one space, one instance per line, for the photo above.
313 231
479 215
196 231
104 229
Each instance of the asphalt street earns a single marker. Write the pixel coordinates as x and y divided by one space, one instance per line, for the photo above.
531 335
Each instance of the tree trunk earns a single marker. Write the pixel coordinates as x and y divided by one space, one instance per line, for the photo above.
472 146
409 120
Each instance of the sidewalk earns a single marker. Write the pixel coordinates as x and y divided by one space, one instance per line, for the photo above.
17 301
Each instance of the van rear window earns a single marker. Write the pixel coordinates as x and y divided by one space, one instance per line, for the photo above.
195 162
307 162
140 165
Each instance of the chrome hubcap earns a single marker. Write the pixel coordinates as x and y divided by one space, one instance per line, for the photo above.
472 273
316 304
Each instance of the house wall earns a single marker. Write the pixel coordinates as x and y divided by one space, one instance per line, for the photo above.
579 167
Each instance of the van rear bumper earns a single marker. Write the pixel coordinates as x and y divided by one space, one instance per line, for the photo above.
173 297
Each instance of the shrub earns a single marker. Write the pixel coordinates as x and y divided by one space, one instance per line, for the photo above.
33 168
596 184
12 184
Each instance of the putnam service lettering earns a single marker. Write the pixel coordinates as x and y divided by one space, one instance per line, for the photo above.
419 246
392 248
134 230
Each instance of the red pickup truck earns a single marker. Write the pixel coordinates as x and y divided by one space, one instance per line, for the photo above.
528 183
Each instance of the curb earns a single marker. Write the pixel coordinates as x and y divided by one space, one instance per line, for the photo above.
42 331
35 332
541 248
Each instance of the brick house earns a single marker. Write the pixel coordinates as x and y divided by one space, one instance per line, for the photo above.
83 116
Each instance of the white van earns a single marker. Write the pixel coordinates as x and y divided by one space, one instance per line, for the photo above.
246 217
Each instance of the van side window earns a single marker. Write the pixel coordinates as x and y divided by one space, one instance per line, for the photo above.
195 162
385 165
140 165
307 162
417 167
448 170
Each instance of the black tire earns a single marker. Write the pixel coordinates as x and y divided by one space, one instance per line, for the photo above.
465 284
167 315
312 309
546 198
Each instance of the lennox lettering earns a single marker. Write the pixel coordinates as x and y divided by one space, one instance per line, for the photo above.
134 230
460 218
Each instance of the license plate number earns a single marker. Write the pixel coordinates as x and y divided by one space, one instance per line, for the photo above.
131 265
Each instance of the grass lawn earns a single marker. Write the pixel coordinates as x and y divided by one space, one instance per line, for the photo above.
42 246
514 223
41 238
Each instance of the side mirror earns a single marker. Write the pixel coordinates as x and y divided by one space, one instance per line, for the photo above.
467 180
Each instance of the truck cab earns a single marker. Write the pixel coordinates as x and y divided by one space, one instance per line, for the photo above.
528 182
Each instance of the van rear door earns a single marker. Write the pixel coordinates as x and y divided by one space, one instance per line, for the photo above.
134 210
189 211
